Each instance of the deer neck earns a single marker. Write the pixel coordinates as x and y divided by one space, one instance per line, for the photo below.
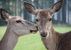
51 41
9 40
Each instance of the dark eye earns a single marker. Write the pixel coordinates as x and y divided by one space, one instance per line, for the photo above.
50 19
18 21
37 20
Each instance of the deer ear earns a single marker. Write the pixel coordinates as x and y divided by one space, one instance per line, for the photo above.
4 14
57 6
29 7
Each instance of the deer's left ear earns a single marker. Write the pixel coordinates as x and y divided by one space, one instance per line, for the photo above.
57 6
4 14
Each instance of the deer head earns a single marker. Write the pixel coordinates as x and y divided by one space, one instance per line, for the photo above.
44 16
17 24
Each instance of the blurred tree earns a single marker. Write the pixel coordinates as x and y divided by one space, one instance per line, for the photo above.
27 16
16 7
64 12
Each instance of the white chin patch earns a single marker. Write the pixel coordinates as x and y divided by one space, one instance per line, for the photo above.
48 34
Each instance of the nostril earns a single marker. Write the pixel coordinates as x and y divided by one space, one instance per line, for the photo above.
43 34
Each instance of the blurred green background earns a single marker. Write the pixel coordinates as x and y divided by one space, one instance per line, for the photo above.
61 20
33 41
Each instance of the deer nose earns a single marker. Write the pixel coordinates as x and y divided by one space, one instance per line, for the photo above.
43 34
34 30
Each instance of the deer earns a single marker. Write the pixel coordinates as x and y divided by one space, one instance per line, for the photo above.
51 39
16 27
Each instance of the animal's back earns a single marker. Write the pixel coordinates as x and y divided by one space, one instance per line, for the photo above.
65 42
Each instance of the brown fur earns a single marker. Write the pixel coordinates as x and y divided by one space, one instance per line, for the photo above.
16 27
51 39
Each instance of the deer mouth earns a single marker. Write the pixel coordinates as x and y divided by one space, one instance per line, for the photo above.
34 30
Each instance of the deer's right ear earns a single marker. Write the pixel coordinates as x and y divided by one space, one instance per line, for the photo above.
29 7
4 14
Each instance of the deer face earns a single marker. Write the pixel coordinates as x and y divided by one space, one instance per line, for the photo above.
44 16
17 24
44 21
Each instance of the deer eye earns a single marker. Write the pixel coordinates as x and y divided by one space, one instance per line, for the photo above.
50 19
37 20
18 21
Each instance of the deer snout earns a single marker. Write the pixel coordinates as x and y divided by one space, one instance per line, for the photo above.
34 30
43 34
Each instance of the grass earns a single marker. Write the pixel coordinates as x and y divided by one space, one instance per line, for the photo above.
32 41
